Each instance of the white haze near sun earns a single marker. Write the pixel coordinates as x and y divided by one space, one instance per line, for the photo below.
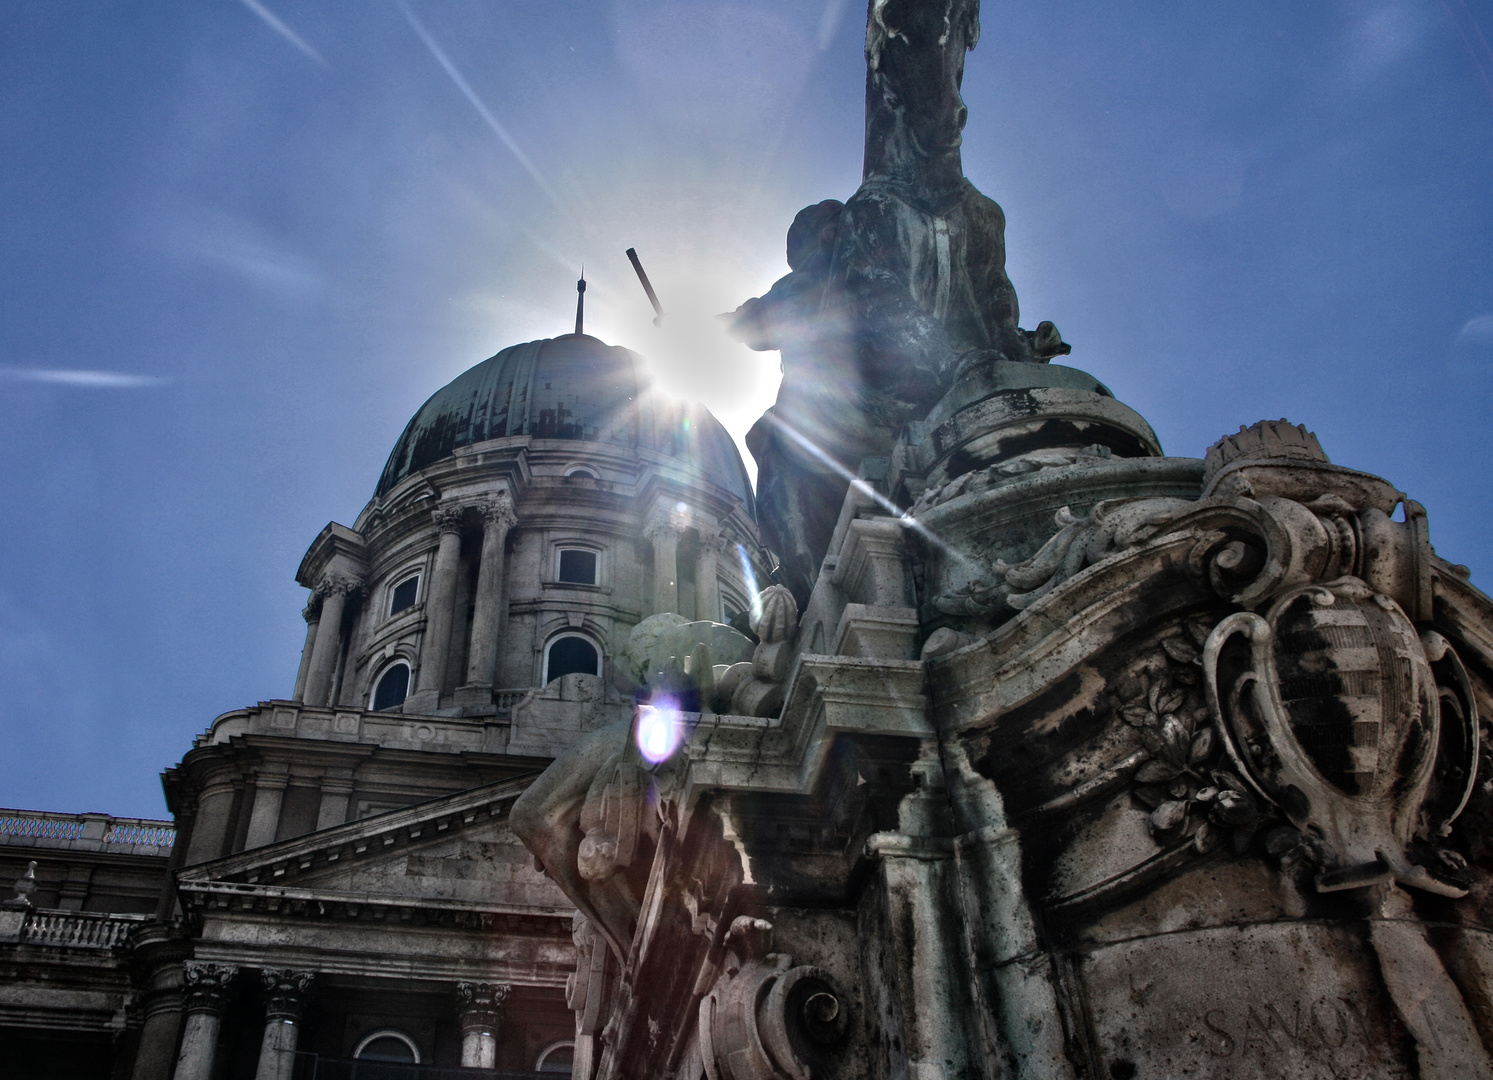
705 207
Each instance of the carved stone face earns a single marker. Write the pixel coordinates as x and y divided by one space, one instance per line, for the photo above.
597 857
915 50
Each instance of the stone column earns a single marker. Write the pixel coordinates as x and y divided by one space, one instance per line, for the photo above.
157 953
440 602
210 824
284 1001
707 576
480 1009
663 531
327 644
157 1035
336 790
497 519
207 997
264 819
312 614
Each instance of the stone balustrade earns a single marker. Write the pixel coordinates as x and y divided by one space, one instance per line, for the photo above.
69 929
390 727
85 832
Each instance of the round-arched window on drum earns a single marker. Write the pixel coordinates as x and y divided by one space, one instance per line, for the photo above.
570 655
393 687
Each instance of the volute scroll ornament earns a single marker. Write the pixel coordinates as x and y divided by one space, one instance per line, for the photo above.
767 1018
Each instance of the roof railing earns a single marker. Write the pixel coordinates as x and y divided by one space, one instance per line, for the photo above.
85 832
79 929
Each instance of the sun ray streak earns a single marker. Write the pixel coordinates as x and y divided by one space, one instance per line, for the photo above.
88 380
904 517
482 110
273 22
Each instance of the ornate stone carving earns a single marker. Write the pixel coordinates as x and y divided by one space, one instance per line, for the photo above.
285 993
480 1005
449 517
587 821
666 524
206 985
339 584
1332 712
977 480
714 543
24 886
1110 526
498 513
1275 514
767 1018
755 687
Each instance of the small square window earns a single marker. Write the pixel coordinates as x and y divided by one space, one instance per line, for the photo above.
578 567
403 595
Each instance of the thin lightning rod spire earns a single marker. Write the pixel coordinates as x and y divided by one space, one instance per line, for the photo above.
580 303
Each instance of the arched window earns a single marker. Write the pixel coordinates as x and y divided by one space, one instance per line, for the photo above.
388 1046
393 687
558 1059
570 655
404 595
582 470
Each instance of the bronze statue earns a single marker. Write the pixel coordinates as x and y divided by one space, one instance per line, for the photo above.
889 293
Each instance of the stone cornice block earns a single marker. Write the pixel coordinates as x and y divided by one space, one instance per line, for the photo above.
336 550
828 696
872 566
877 632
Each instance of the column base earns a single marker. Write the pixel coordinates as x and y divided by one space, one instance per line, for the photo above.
473 696
423 701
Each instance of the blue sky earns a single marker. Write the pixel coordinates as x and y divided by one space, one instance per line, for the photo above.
243 241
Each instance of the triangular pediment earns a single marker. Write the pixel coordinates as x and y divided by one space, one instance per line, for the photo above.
452 854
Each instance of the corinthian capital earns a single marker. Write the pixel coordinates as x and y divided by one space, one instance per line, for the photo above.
497 512
448 517
206 985
714 543
480 1005
285 993
339 584
663 524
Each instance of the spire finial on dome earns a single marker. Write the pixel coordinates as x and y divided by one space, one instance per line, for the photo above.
580 303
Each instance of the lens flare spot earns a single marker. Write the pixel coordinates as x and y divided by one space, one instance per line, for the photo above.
750 579
660 730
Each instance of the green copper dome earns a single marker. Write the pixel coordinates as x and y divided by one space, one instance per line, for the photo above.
572 387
